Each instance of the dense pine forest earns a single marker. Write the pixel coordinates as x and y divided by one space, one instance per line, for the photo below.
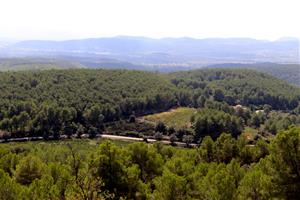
55 102
237 86
240 130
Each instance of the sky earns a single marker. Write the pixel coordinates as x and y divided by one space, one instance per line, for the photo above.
75 19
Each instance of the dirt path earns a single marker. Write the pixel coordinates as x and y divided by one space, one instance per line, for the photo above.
105 136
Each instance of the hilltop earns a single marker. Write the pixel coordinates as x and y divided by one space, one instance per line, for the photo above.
288 72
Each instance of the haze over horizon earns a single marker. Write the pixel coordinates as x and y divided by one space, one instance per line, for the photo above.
66 20
15 40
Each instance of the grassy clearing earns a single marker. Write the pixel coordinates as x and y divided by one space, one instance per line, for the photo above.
179 117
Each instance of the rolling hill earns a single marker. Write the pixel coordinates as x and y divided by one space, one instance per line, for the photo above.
140 90
288 72
239 86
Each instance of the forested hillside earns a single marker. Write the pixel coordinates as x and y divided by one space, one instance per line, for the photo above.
237 86
53 102
47 102
82 88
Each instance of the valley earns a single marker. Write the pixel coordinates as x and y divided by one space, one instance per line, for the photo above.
149 100
115 133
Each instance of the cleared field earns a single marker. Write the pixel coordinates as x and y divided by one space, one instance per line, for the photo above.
179 117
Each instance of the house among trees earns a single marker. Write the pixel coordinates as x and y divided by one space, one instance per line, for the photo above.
239 108
259 111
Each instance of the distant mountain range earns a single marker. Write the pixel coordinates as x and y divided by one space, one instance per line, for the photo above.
175 51
279 58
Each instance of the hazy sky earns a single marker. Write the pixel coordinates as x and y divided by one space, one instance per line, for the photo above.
68 19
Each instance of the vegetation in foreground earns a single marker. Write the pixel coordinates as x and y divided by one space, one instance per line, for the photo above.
225 169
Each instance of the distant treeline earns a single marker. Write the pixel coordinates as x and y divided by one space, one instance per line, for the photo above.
288 72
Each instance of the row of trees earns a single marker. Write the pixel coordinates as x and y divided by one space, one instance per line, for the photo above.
225 169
